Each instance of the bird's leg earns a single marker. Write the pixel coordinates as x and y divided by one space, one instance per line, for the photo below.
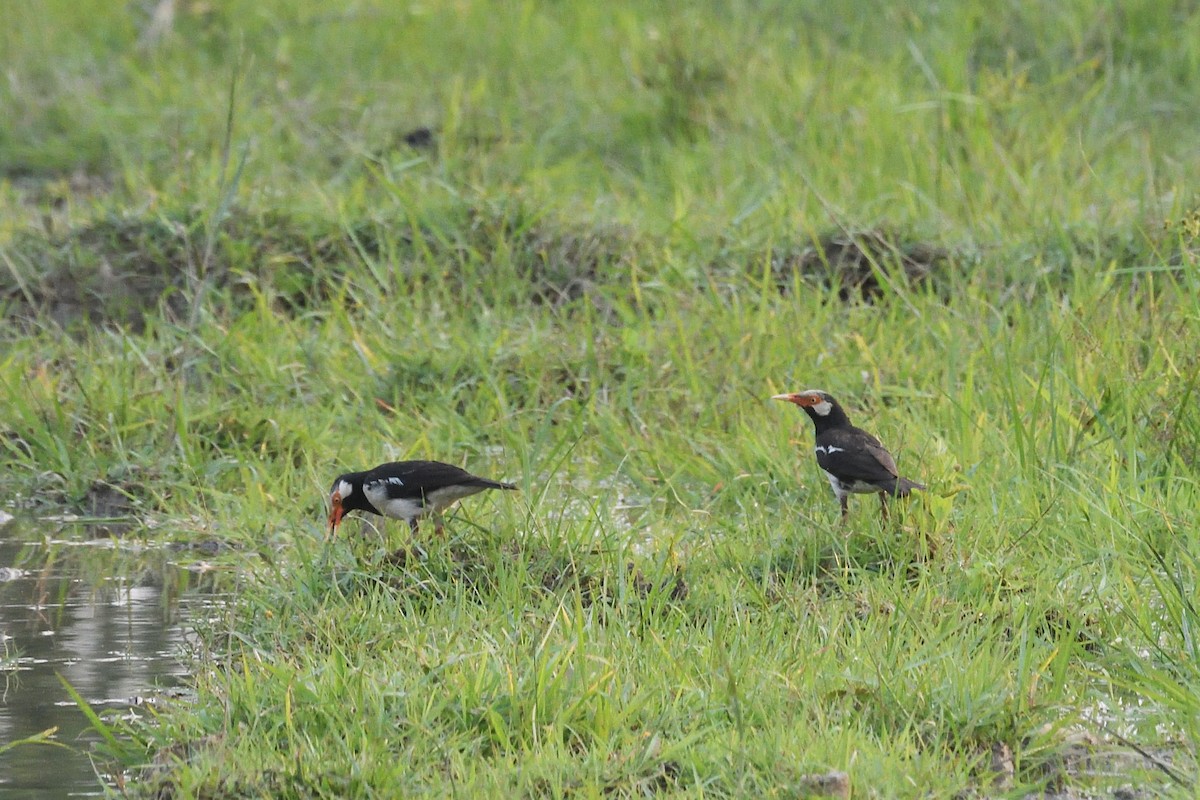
403 554
883 506
439 525
844 500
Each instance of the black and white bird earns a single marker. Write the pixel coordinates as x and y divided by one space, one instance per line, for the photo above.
407 490
854 461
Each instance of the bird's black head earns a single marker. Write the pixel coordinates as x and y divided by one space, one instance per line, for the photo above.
346 494
820 406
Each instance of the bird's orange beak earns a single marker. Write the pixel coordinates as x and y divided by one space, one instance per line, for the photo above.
799 398
335 512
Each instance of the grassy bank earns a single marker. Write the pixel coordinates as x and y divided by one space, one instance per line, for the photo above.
577 249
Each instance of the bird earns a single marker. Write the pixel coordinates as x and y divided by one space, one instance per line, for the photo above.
854 461
407 490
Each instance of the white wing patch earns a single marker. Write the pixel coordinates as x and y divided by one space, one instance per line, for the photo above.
380 482
828 449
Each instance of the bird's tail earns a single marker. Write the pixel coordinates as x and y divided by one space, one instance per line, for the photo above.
904 486
490 484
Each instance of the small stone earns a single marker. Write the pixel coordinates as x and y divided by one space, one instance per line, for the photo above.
831 784
1002 766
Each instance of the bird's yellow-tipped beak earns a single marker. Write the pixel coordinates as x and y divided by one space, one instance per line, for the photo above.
335 512
802 399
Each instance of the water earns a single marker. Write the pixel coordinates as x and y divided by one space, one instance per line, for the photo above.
107 616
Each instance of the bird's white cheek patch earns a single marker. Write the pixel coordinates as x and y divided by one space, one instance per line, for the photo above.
822 408
345 489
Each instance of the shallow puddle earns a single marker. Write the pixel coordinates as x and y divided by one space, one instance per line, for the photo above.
110 618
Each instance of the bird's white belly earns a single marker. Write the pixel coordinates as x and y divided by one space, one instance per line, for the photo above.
407 508
856 487
396 508
439 499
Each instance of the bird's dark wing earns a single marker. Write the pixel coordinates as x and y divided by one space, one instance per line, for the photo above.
884 458
855 455
412 479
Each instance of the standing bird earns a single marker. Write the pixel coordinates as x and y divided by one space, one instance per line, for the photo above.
407 490
853 460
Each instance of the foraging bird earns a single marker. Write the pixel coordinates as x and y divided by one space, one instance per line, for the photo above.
407 490
854 461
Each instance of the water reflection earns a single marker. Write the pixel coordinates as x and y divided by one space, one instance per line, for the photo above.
104 614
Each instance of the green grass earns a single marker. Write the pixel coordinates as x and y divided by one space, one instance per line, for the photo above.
226 279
